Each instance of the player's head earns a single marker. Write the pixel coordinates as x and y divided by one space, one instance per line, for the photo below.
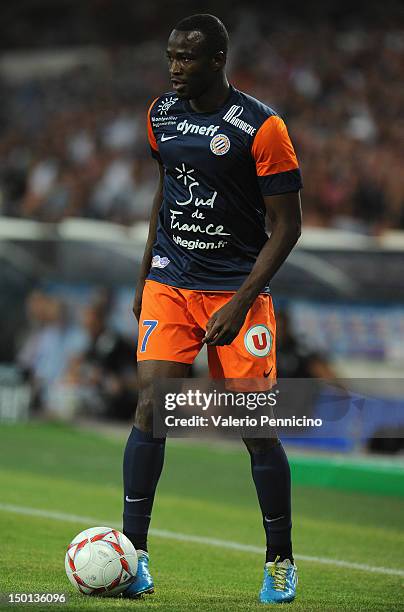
196 52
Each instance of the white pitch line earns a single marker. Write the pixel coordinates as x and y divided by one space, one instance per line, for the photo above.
183 537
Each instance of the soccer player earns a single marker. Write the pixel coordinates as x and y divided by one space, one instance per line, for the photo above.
225 161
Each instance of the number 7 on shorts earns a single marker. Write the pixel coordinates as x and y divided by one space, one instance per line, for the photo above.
151 326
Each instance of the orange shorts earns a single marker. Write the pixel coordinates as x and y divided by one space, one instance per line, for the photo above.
173 323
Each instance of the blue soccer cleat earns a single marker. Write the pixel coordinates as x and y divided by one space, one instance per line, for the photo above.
280 581
143 582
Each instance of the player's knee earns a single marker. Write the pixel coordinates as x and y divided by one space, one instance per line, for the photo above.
144 414
261 445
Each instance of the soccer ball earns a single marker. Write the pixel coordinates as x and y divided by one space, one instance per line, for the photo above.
101 561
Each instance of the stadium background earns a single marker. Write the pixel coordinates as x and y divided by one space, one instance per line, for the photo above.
76 183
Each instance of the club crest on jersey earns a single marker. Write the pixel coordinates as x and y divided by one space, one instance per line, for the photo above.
258 340
165 105
220 144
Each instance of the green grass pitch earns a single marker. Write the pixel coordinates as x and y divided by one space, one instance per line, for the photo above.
204 491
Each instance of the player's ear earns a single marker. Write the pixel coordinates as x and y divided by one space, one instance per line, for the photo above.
219 60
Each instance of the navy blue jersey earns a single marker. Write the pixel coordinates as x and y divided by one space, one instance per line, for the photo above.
218 166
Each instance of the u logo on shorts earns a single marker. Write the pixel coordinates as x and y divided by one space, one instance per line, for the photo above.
258 340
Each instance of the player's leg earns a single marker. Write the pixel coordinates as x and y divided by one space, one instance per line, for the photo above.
168 342
271 475
252 355
142 466
144 454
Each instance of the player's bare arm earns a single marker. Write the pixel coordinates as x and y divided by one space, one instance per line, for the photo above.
284 212
147 256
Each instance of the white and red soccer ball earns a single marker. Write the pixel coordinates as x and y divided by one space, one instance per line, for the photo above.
101 561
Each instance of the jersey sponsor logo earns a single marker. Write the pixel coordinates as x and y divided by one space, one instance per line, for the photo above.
220 144
198 244
196 206
233 116
165 105
258 340
159 262
198 228
192 128
185 174
164 121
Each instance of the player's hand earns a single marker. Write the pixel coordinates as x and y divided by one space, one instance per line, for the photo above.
137 302
224 325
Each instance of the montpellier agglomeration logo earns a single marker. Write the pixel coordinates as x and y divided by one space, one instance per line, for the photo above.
165 105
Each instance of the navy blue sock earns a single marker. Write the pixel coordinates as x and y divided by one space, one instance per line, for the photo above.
271 475
142 465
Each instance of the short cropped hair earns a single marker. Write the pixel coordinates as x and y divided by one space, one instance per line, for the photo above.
213 30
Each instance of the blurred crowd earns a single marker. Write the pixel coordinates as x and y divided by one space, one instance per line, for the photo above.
76 363
74 144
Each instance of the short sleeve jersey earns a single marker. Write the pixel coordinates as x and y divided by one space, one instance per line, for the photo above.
217 169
